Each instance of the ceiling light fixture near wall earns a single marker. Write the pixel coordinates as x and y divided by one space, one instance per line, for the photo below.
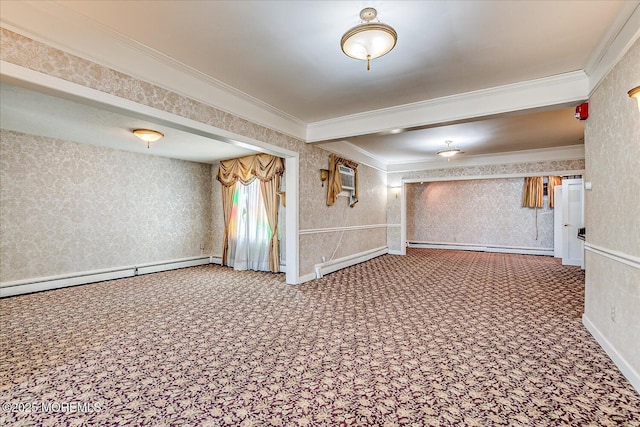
148 135
448 152
635 93
368 40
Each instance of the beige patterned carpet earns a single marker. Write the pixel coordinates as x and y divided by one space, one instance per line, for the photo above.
436 338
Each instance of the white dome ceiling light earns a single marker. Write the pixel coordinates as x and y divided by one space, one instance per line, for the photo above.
448 152
368 40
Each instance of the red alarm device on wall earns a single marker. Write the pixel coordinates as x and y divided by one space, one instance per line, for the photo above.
582 111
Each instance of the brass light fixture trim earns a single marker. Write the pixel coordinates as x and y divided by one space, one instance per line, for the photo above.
635 93
368 40
324 175
148 135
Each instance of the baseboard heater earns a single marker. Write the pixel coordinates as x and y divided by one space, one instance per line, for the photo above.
482 248
340 263
38 284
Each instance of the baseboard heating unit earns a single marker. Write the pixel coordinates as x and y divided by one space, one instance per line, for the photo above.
482 248
38 284
340 263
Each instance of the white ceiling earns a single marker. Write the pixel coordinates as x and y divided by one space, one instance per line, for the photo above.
36 113
288 55
284 58
502 134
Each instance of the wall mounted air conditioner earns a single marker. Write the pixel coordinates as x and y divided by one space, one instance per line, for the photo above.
347 178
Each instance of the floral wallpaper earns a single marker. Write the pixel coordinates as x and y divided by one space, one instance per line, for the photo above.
613 159
68 207
479 211
338 244
612 209
394 237
313 214
217 222
394 203
316 215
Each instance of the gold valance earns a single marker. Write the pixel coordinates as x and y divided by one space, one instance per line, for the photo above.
245 169
268 170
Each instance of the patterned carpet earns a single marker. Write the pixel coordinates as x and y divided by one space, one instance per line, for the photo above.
436 338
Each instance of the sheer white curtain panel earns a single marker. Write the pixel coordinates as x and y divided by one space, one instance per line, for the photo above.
249 234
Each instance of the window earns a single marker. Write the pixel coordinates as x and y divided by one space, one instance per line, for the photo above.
249 231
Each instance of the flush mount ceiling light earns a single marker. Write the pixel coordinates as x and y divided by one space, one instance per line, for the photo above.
147 135
448 152
368 40
635 93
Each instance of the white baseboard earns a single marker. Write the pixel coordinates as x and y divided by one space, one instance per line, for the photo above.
624 367
482 248
8 289
173 265
340 263
19 287
395 252
306 278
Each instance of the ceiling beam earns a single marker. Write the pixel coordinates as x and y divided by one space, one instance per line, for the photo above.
62 28
562 89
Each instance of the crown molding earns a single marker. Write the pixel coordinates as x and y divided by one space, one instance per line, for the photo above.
51 85
571 152
554 90
567 88
624 32
59 27
350 151
355 153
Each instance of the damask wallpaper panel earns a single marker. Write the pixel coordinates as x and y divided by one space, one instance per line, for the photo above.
612 211
459 173
394 202
338 244
613 159
316 215
314 212
68 207
480 211
18 49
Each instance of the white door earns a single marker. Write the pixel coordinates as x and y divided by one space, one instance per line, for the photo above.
572 219
557 222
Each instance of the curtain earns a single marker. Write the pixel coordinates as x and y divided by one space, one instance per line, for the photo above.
268 170
335 186
533 194
551 184
249 231
269 190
